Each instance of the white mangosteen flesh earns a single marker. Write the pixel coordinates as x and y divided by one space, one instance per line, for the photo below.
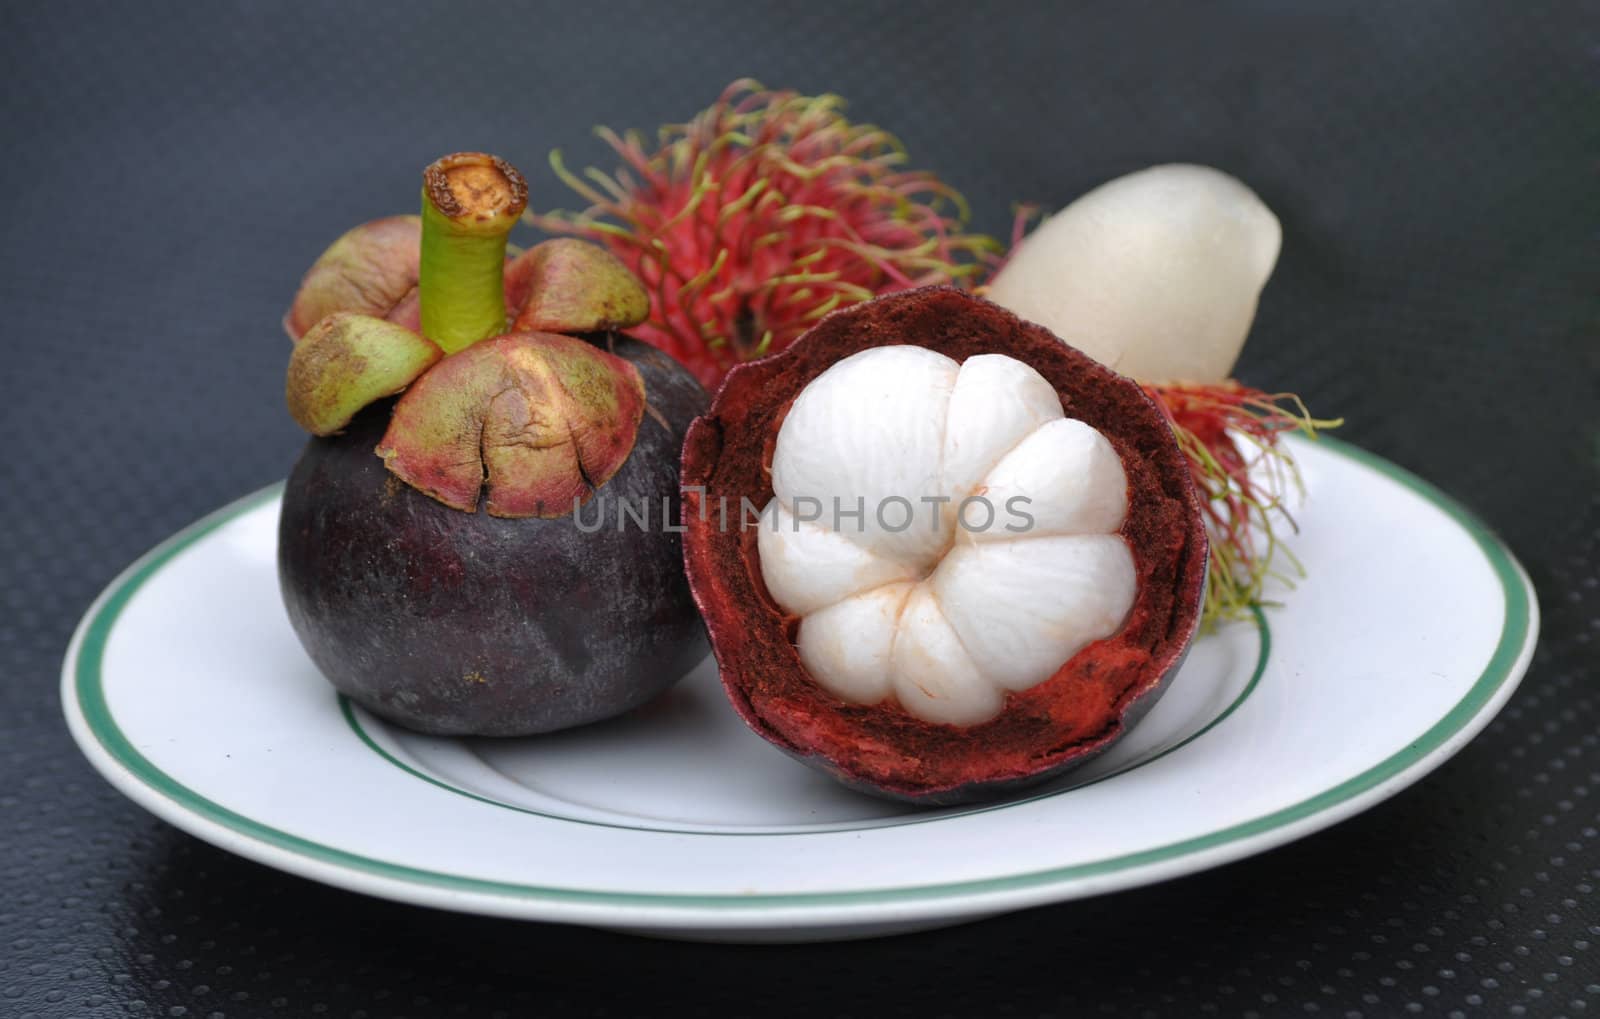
945 534
1155 274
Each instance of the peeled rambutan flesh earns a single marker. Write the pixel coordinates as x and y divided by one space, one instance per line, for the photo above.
940 663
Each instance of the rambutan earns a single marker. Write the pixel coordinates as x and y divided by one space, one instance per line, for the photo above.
761 215
769 209
1232 435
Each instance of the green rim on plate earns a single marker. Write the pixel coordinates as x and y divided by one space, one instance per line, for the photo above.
84 672
1263 655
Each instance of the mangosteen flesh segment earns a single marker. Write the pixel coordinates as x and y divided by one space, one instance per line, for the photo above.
541 420
943 533
461 622
944 662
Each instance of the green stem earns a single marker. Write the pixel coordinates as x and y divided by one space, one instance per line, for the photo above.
470 201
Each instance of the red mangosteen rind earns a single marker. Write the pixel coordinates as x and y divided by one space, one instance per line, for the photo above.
1090 701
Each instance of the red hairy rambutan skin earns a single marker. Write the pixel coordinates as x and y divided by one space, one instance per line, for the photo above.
762 214
1232 436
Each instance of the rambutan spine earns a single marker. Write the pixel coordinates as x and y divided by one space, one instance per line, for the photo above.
1232 435
762 214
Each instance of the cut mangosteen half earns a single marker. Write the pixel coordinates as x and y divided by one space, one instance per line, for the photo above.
978 556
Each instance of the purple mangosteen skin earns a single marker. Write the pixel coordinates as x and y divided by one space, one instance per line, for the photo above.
455 623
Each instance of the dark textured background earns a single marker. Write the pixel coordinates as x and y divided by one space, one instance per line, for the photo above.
168 172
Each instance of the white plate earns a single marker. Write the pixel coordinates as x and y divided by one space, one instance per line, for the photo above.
186 688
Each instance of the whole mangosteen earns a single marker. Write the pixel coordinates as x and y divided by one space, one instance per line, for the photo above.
495 552
940 553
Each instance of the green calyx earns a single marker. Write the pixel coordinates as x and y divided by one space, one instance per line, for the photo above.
538 421
571 286
370 270
470 201
526 415
347 361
